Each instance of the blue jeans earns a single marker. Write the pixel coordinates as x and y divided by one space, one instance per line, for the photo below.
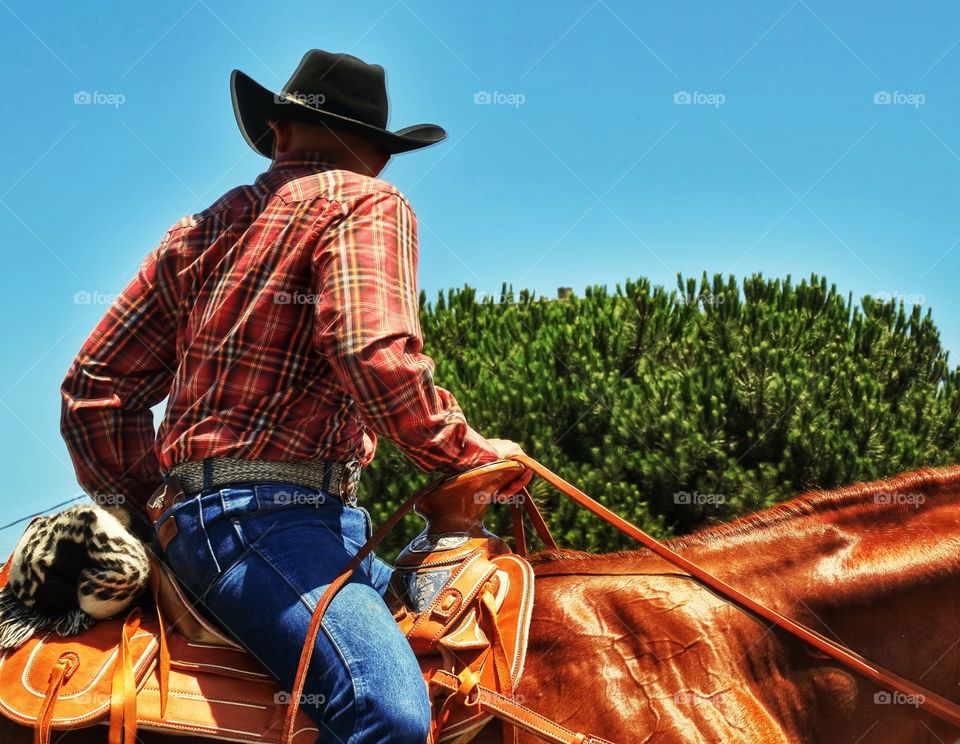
257 557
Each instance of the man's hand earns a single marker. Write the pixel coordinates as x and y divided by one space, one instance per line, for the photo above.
505 450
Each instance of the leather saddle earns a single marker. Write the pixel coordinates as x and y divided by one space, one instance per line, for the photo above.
171 671
463 601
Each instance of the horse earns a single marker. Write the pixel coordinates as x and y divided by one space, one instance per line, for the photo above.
626 647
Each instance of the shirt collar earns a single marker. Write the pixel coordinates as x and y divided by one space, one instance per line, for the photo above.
292 165
303 158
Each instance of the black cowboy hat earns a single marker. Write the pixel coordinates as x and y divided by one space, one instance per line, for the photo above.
338 90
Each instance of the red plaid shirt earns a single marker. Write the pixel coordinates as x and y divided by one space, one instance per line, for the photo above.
282 323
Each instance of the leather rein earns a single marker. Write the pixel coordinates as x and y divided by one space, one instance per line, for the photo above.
523 717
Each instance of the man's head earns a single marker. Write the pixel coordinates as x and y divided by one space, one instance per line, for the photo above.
347 150
339 103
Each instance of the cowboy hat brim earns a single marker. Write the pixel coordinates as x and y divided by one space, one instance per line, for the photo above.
254 105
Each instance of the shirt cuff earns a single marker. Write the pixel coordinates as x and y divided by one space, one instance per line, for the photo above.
476 451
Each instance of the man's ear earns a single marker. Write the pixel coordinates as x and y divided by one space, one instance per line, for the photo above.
383 157
281 135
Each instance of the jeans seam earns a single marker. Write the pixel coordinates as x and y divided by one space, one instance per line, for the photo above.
326 630
202 527
221 574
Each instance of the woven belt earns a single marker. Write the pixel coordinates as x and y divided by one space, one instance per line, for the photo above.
339 479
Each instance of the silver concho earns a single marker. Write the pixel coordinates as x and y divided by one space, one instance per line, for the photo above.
446 541
420 587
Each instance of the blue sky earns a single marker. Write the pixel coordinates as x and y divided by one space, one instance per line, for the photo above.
622 139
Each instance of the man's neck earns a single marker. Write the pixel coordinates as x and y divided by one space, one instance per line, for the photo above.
351 161
313 157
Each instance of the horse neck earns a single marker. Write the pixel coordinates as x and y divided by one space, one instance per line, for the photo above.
842 548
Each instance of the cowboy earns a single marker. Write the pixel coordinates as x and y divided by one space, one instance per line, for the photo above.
281 324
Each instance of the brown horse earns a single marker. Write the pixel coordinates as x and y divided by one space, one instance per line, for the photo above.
625 647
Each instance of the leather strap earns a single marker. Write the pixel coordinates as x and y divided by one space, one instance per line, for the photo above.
501 665
519 535
509 710
163 661
933 703
536 518
539 523
314 628
467 693
60 673
123 692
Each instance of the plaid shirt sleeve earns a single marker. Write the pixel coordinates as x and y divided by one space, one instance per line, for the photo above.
124 368
368 326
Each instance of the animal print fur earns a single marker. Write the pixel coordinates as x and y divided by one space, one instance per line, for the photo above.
68 570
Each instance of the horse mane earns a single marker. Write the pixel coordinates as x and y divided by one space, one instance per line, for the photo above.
926 481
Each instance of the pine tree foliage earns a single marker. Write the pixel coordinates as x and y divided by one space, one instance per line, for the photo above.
682 408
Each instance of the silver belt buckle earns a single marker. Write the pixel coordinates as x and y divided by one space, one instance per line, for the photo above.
349 481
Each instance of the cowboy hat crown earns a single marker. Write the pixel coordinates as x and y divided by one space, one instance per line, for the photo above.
336 90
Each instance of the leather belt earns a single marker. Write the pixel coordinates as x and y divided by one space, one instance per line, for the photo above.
339 479
336 478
